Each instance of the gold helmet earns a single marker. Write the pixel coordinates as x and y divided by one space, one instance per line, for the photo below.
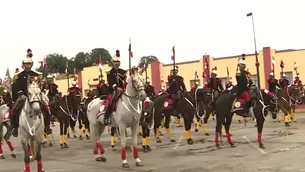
116 57
29 56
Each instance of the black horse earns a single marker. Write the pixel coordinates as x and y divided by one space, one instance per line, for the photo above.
74 104
260 102
146 122
185 107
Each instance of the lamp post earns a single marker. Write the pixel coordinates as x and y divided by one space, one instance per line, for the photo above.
256 55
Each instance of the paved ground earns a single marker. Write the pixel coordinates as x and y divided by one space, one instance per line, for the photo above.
285 151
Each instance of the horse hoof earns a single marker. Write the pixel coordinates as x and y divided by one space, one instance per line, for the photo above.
80 138
32 159
98 159
13 155
287 124
145 149
140 134
66 145
125 165
62 146
239 121
43 171
50 144
207 134
196 130
232 145
44 142
68 136
84 131
43 145
218 146
159 141
161 134
75 136
190 141
87 137
173 140
138 164
295 121
2 157
261 146
255 125
148 148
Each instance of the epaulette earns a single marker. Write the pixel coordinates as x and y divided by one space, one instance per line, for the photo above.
238 74
15 77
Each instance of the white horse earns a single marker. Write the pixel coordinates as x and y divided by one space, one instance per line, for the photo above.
4 121
128 113
31 124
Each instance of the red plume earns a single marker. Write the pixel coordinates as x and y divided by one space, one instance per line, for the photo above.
117 53
29 50
243 56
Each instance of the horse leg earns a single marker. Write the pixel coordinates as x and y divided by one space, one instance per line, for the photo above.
199 116
166 125
81 128
122 129
1 150
156 130
219 119
293 114
146 139
72 126
7 139
187 125
134 130
140 130
61 131
66 126
97 131
178 122
260 123
38 154
205 122
26 151
113 131
87 128
228 121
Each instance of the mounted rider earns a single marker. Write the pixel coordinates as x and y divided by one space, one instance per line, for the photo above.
273 83
284 82
20 82
297 82
229 85
215 84
74 89
176 83
116 79
243 83
103 88
149 90
194 88
53 91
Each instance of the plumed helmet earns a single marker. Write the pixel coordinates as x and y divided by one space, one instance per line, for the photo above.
29 56
147 80
271 74
116 57
74 83
214 70
49 77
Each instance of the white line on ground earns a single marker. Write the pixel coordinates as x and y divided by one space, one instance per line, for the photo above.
58 170
259 149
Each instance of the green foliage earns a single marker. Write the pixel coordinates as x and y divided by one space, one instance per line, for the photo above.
57 62
148 59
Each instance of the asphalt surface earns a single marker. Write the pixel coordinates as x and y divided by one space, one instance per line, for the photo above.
285 151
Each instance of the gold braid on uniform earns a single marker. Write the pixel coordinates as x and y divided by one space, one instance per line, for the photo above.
119 77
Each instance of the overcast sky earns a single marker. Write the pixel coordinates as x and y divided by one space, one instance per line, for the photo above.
219 28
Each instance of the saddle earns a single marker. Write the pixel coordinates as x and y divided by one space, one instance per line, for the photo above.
238 104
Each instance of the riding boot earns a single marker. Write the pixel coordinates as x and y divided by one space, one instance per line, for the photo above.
107 119
175 104
47 118
246 107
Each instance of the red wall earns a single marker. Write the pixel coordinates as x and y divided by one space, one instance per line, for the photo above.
155 75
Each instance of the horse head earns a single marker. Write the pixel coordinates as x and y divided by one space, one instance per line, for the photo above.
135 87
34 96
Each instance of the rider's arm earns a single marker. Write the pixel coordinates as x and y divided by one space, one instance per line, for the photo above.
220 85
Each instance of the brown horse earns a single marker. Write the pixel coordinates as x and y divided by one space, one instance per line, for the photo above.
286 97
62 113
296 99
260 101
186 108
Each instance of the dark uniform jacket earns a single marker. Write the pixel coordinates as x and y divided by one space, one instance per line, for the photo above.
215 84
242 82
273 83
103 90
20 82
116 78
284 83
150 91
76 90
53 89
176 83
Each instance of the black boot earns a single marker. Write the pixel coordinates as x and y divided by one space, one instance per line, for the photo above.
47 126
107 114
14 123
246 110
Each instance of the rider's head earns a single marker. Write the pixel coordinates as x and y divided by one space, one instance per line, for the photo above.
50 79
147 81
271 75
74 84
214 72
17 70
197 83
297 77
175 71
284 76
116 62
242 65
28 62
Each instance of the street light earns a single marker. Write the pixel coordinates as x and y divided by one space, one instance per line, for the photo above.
256 55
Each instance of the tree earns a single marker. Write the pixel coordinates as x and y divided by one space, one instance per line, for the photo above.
149 59
56 64
82 59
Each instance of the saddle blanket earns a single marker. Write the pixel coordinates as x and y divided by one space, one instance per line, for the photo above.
168 102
